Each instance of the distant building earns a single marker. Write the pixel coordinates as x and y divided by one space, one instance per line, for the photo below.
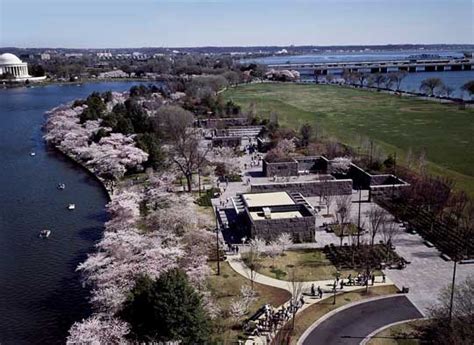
45 56
12 69
74 55
104 55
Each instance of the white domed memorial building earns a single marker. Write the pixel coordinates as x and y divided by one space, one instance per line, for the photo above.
12 69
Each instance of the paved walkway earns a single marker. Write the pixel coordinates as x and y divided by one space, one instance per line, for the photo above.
350 325
426 275
237 265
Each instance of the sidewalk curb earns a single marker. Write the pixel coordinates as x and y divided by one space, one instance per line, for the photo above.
367 338
335 311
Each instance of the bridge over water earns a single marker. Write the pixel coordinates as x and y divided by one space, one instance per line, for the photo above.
411 66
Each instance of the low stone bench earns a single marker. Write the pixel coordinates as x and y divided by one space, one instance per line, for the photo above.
466 261
445 257
428 244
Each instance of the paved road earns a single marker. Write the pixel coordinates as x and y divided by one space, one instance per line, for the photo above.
352 325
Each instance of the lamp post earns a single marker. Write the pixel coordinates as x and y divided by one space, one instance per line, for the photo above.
358 218
217 244
452 292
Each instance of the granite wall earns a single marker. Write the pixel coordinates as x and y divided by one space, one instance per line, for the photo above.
301 229
280 168
307 188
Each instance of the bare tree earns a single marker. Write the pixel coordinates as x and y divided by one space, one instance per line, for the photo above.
430 85
451 318
447 90
388 82
186 153
378 79
468 87
389 231
295 284
252 262
328 195
377 217
361 77
398 77
343 212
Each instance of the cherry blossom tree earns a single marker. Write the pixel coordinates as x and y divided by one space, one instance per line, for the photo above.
98 329
284 241
340 165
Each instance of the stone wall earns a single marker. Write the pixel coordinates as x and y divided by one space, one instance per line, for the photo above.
313 164
301 229
221 122
226 141
386 191
306 188
289 168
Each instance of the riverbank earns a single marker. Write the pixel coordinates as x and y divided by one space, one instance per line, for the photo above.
80 82
401 93
140 238
106 187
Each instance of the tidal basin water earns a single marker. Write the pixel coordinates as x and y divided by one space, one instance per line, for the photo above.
40 293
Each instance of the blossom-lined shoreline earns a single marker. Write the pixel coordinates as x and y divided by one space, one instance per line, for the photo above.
170 234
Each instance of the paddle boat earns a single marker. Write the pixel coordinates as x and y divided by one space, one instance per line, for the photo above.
44 233
71 206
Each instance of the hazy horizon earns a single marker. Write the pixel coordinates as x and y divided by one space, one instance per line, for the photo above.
108 24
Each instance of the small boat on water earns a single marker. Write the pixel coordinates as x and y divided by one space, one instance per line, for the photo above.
61 186
71 206
44 233
32 154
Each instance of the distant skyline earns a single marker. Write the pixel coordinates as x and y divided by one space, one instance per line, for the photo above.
192 23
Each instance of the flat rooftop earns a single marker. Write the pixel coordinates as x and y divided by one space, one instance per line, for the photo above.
276 215
267 199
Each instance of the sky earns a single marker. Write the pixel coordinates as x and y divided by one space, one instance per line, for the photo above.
192 23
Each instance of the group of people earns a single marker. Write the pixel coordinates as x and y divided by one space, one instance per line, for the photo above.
233 249
316 292
361 279
272 319
255 161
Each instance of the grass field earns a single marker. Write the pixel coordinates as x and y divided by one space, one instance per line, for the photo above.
401 334
311 264
395 123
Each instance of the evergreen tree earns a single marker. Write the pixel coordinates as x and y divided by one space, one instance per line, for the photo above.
168 309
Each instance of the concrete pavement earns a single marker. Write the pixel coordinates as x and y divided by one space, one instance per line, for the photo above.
350 325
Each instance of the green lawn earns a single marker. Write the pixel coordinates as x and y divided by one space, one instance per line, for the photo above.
395 123
401 334
309 265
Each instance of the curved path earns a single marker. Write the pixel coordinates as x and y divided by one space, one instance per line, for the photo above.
235 261
350 326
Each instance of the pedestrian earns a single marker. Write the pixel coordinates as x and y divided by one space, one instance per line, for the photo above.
349 282
237 249
342 284
302 300
313 291
383 277
373 279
